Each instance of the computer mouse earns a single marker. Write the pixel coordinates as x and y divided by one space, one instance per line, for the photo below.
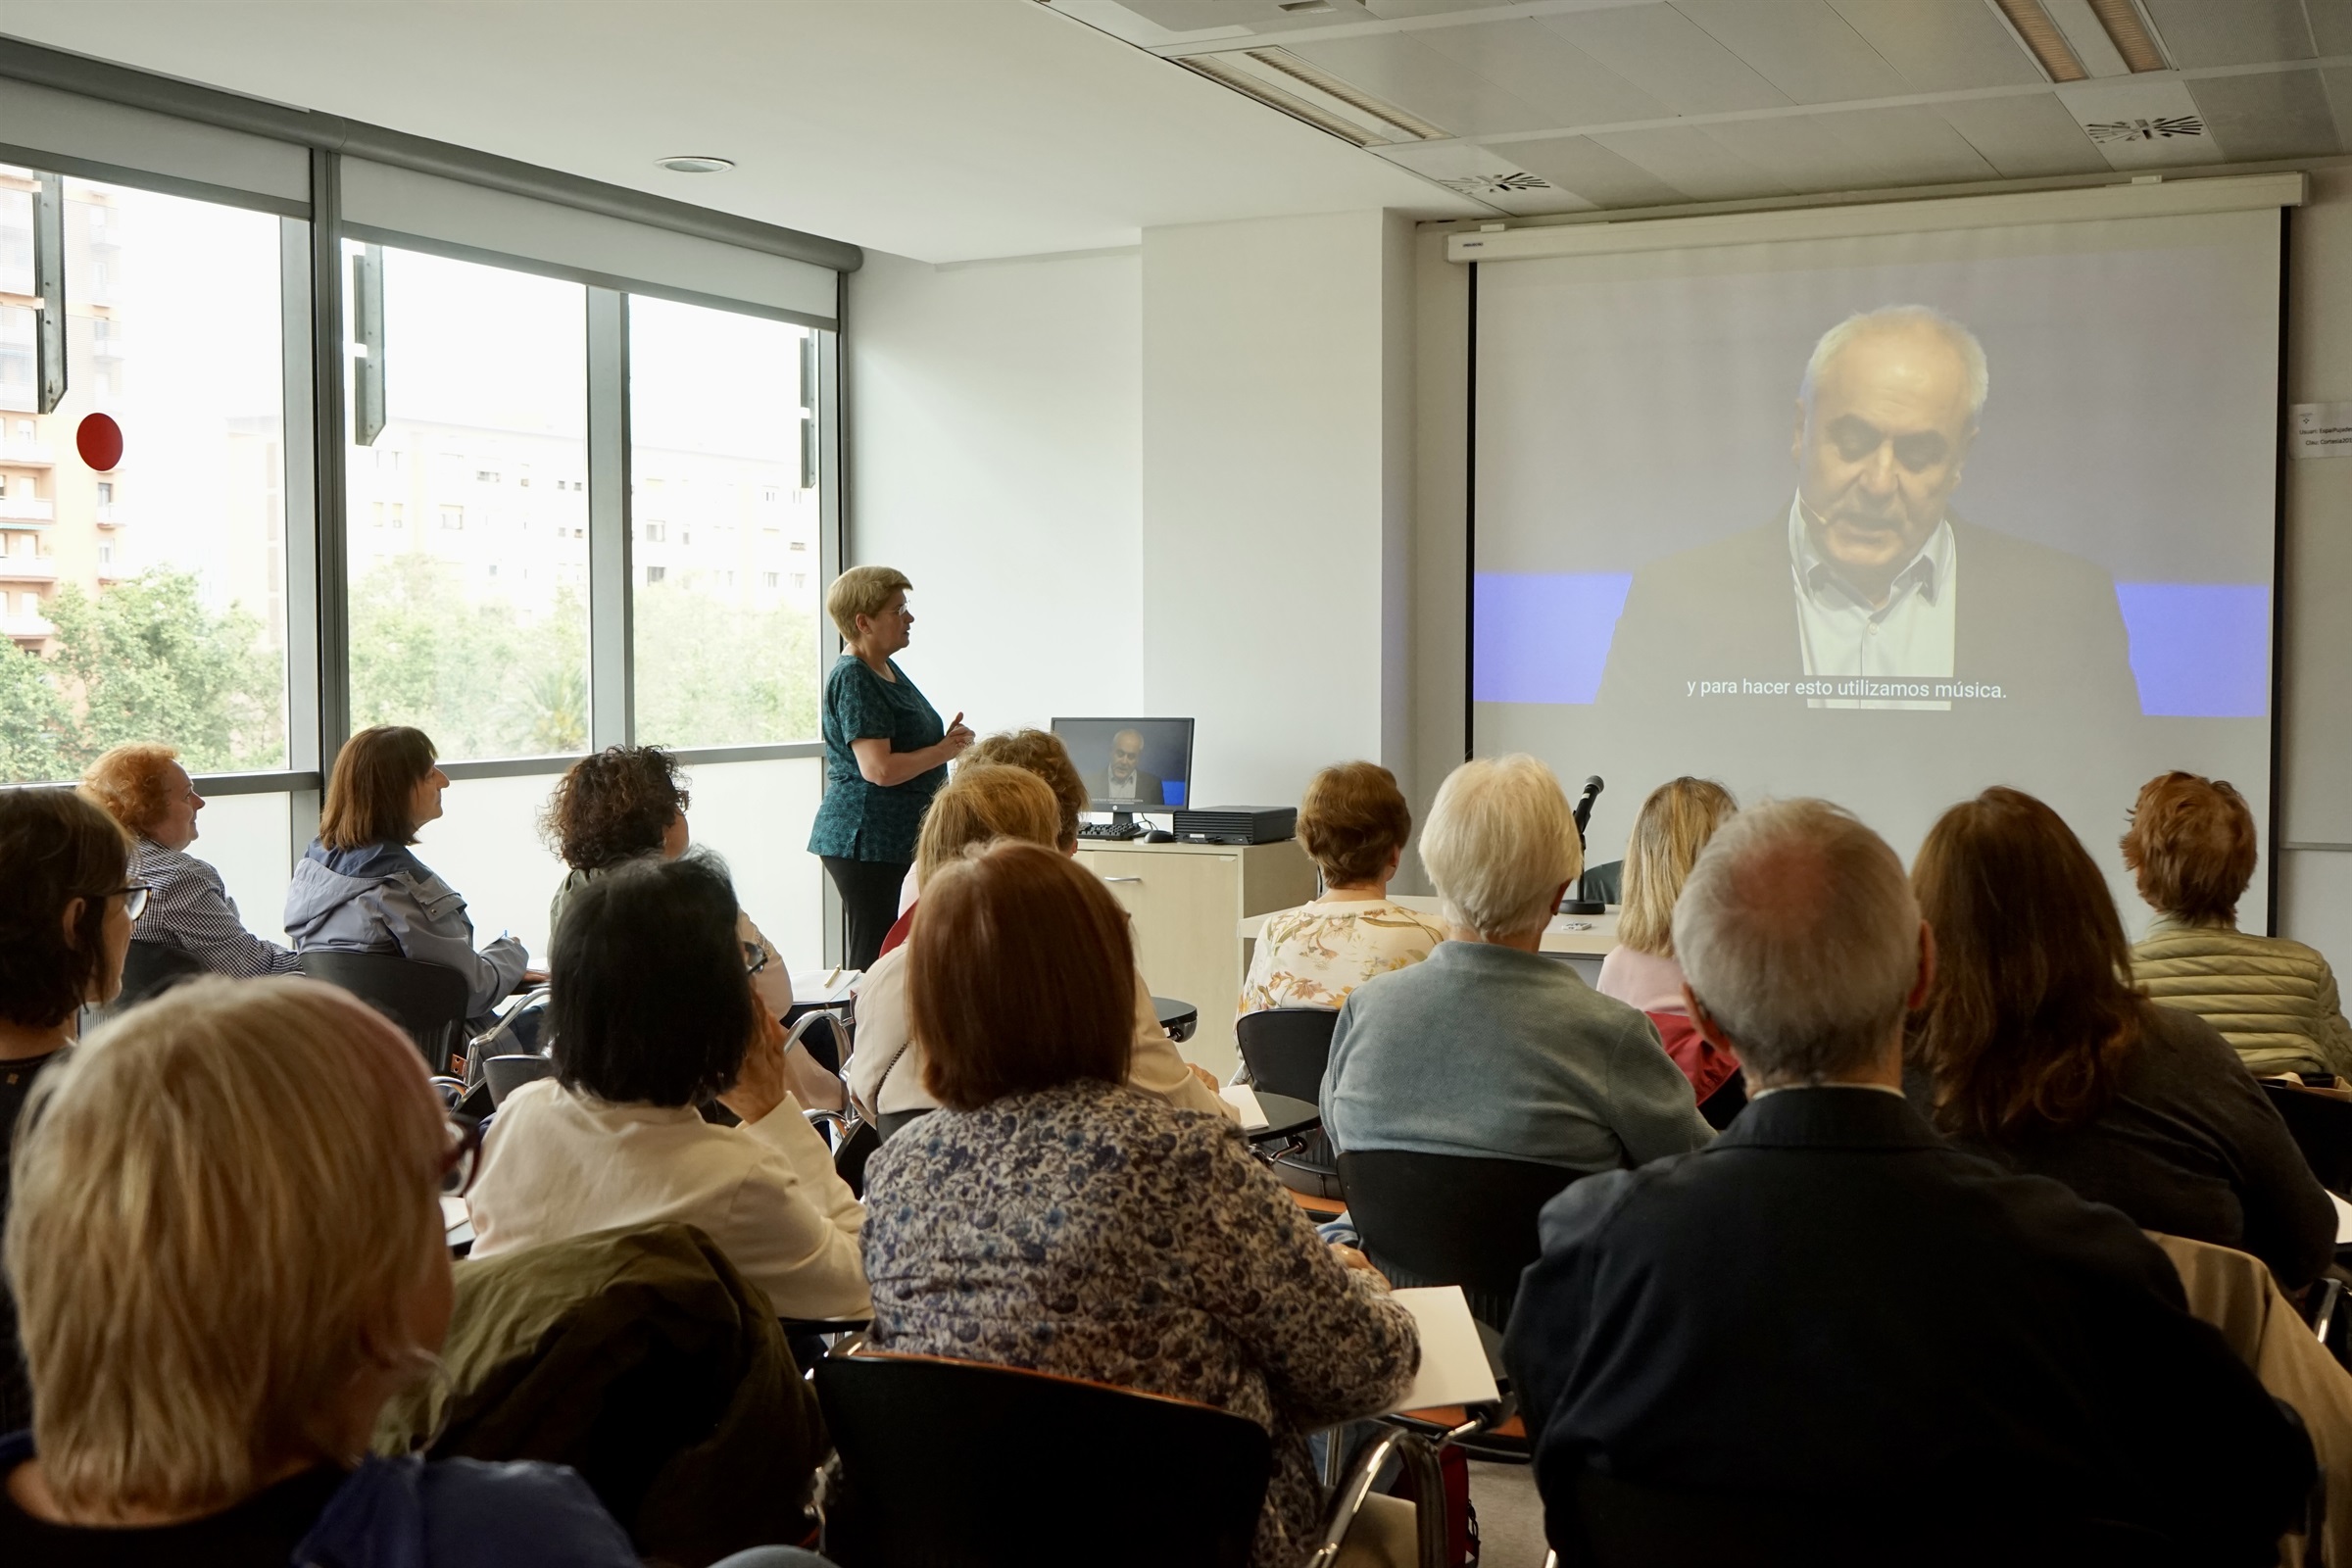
1159 835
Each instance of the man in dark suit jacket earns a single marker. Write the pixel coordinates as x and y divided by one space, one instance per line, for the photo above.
1829 1317
1123 779
1868 575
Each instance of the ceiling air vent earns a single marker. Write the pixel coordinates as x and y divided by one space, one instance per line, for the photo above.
2171 125
1497 184
1282 81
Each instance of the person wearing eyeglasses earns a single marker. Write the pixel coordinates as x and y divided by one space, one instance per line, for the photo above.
652 1015
66 904
271 1269
143 787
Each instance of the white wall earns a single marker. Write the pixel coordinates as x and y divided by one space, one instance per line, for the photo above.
994 420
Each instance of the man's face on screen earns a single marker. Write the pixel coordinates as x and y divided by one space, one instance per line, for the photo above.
1880 449
1126 751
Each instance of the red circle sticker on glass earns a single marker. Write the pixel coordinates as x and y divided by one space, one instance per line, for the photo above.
100 441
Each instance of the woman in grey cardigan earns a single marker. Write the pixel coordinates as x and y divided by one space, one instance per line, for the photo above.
1488 1048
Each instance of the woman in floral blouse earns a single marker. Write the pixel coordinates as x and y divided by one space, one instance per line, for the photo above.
1054 1217
1353 824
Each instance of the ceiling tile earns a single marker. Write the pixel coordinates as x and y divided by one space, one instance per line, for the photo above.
1802 155
1601 176
1485 174
1943 45
1258 16
2025 138
1391 10
1397 66
1671 57
2330 26
2142 122
1803 47
1687 158
1910 145
2230 32
2282 114
2338 82
1545 72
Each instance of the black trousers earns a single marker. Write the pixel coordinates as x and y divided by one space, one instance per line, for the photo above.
870 905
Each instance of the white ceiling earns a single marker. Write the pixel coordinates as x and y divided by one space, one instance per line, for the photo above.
942 129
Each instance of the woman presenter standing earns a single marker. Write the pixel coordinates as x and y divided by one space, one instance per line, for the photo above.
886 755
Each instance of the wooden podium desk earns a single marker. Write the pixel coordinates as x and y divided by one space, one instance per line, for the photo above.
1187 902
1584 940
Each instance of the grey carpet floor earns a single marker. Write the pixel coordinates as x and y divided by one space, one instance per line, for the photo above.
1510 1515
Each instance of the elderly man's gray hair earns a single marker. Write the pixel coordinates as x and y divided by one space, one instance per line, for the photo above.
1798 934
1888 318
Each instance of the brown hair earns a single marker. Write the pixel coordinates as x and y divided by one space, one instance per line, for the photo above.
1675 823
2029 1019
2190 847
131 783
861 591
613 807
1019 977
1351 820
369 793
987 802
55 846
1042 752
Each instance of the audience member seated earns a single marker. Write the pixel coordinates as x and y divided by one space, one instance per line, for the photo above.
1831 1316
222 1282
624 804
1487 1047
1033 751
144 788
1675 823
357 888
2034 1050
1052 1216
66 911
2190 845
984 802
1353 823
651 1014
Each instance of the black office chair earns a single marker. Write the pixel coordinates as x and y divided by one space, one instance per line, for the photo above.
1450 1219
1286 1049
962 1464
505 1074
427 1000
2322 1127
151 968
1603 883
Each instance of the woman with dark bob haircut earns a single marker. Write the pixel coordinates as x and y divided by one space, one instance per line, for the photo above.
2034 1048
1054 1216
651 1014
67 905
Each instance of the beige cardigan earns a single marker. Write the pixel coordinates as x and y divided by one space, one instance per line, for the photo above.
2273 1000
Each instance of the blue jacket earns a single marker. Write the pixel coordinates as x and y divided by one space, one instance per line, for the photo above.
453 1513
382 899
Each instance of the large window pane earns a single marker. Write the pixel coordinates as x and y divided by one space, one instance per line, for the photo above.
469 522
147 602
245 837
724 521
756 816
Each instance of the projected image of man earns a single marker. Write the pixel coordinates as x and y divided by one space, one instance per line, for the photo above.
1123 782
1899 603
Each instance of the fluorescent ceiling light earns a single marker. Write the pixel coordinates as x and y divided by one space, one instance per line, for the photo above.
2128 32
2042 40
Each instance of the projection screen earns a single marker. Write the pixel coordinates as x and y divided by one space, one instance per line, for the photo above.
1886 519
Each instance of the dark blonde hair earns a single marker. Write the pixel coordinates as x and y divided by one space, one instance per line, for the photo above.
131 783
370 795
1675 823
1039 752
2190 847
203 1262
1351 820
990 801
1019 977
861 591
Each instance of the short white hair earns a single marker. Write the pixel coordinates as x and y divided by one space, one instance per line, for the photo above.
1498 843
1799 933
1886 318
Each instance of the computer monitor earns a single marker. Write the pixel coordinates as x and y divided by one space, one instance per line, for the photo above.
1131 765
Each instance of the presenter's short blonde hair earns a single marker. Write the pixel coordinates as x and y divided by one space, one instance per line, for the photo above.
862 591
983 802
1498 843
1674 825
223 1209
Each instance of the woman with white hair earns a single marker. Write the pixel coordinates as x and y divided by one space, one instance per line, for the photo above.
1488 1048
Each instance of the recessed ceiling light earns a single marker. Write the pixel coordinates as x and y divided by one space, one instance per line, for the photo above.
696 163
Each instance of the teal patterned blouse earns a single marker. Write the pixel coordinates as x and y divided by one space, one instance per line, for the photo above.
860 821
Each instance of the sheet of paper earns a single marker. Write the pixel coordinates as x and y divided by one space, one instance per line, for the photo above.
1243 1099
1453 1360
821 985
2343 1221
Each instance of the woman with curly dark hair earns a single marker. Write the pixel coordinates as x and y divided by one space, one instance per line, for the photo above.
2035 1048
623 805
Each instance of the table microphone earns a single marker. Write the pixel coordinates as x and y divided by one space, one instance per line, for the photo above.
1583 814
1584 804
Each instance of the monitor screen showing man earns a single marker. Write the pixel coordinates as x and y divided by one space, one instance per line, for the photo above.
1131 765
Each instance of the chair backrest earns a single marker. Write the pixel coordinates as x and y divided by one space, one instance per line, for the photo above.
961 1464
1287 1049
505 1074
2322 1127
150 968
1603 883
1450 1219
427 1000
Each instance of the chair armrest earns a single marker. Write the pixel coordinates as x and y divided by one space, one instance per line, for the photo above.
1429 1494
451 1089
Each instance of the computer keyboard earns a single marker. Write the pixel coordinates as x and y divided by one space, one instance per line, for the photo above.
1114 830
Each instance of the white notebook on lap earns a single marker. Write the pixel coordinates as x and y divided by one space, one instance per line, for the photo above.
1453 1358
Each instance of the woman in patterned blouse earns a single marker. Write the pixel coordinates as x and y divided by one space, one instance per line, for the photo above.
1054 1217
1353 824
